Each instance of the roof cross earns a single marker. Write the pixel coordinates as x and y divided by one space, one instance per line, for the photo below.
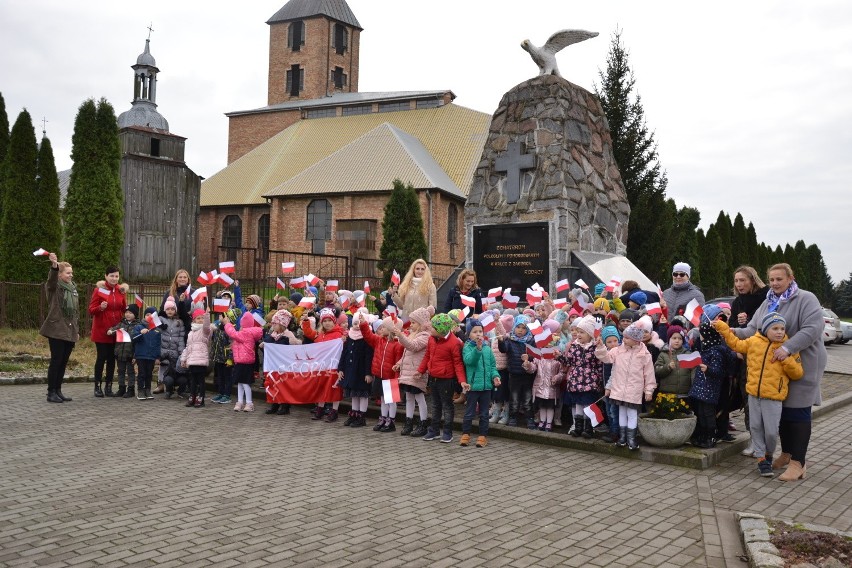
513 162
150 29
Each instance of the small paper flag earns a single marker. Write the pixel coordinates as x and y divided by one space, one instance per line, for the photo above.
288 267
226 267
41 252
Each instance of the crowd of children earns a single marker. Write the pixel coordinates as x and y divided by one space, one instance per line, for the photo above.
530 368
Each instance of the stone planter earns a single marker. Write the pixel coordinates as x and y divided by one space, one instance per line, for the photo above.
664 433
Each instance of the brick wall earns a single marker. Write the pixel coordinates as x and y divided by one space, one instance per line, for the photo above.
248 131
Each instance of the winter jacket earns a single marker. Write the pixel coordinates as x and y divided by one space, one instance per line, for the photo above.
413 301
243 341
184 307
673 381
651 296
678 299
238 301
102 320
443 359
766 379
55 325
632 372
453 301
220 345
804 328
197 352
124 351
707 385
549 380
414 349
586 370
479 366
513 350
747 304
149 345
386 352
355 363
172 342
315 336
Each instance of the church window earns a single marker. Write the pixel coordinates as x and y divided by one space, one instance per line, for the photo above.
356 234
339 78
340 39
321 112
155 147
393 107
296 35
357 109
263 237
428 103
294 87
452 228
232 232
318 225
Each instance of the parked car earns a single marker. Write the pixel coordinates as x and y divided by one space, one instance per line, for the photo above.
831 320
846 327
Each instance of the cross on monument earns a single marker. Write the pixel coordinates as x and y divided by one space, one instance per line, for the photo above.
150 29
513 162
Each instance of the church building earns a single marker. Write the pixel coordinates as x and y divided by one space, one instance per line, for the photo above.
311 171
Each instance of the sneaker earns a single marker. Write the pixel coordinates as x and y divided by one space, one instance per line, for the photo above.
513 422
541 426
380 425
249 407
226 399
148 393
465 440
430 435
217 399
447 437
199 402
765 468
748 451
238 407
317 413
726 437
548 427
481 442
140 394
331 416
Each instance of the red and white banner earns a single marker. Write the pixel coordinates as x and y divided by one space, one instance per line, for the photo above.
280 284
225 280
104 293
495 292
221 305
153 320
301 374
41 252
593 411
307 302
693 312
487 321
288 267
468 301
139 302
689 360
297 282
199 294
653 308
582 284
562 285
226 267
332 286
508 300
390 391
395 277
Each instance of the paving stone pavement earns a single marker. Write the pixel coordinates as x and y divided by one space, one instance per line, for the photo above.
104 482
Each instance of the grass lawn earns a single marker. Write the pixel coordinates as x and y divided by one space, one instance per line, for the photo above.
25 352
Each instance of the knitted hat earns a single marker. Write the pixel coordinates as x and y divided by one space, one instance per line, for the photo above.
456 315
196 313
521 320
634 332
628 315
552 326
133 309
574 312
282 318
682 267
233 315
639 297
327 313
472 323
222 293
610 331
255 299
506 321
295 297
645 323
676 329
442 324
599 288
587 324
711 312
169 303
313 291
769 320
602 304
385 323
530 314
724 306
150 310
422 316
342 319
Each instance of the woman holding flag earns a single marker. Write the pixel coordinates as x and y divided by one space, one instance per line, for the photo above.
417 289
61 327
180 290
465 286
106 307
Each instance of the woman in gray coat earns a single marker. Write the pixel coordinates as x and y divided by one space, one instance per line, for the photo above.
803 315
61 327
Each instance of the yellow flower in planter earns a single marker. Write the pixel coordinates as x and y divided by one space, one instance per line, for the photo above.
669 406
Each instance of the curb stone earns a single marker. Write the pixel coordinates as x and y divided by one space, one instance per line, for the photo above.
755 534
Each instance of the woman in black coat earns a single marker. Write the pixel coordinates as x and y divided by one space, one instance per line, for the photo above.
465 285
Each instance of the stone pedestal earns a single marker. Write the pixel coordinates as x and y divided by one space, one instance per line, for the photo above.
573 183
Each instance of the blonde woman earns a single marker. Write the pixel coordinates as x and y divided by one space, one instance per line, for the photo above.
417 290
465 285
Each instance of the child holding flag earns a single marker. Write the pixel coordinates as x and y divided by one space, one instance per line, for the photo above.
279 335
146 351
611 339
443 361
329 331
585 376
672 377
124 350
222 356
514 345
196 356
412 383
707 384
353 369
243 342
386 353
632 377
550 375
481 377
173 340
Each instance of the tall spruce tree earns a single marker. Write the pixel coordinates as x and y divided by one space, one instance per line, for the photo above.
723 228
4 145
739 242
47 219
805 272
714 277
635 152
94 207
402 231
753 249
687 240
843 297
19 233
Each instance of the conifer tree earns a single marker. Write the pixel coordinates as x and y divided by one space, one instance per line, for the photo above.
94 207
806 273
402 231
4 145
843 297
47 218
753 254
635 152
739 243
687 239
723 228
18 233
714 277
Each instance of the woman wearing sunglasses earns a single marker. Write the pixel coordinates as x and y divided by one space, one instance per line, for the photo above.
682 291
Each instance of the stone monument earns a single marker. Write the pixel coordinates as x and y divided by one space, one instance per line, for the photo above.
547 186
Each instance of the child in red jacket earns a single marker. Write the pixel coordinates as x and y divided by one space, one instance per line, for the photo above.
386 352
329 330
443 360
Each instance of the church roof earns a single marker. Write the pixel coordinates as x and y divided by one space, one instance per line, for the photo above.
448 138
362 166
300 9
346 99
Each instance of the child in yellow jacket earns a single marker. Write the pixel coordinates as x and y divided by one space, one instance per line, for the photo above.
767 382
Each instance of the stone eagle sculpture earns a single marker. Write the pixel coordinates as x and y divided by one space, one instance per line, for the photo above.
545 56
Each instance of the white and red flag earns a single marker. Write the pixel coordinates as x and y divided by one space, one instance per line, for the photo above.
280 284
468 301
313 280
332 286
297 282
495 292
508 300
689 360
366 286
391 312
153 320
653 308
395 277
543 337
659 291
307 302
487 301
533 296
258 318
598 327
693 312
593 411
104 293
139 302
465 312
390 391
299 374
344 301
225 280
562 285
533 352
221 305
288 267
360 297
199 294
226 267
41 252
582 284
122 336
487 321
560 303
613 283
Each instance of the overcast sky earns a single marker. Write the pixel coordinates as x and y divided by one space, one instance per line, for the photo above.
751 102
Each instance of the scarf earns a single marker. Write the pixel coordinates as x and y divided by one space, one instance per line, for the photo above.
70 303
196 326
682 286
775 301
527 337
275 335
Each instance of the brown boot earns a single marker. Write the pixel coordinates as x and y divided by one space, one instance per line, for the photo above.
782 461
481 442
160 389
794 472
465 440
